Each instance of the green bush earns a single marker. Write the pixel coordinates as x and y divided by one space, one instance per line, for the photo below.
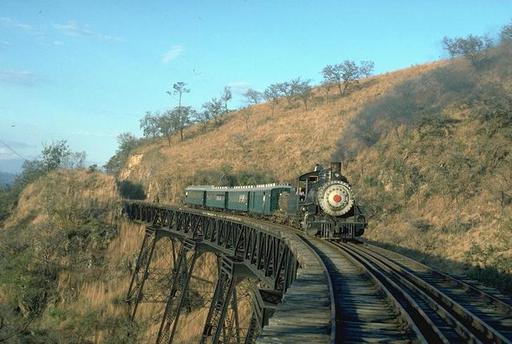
131 190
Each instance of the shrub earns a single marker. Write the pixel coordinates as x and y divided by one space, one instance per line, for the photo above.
131 190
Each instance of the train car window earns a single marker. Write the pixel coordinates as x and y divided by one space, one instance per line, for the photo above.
313 178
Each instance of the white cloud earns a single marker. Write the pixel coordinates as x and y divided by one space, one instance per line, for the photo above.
172 53
239 87
19 77
13 24
73 29
10 23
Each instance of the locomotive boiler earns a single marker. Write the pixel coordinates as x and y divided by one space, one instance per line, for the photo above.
324 204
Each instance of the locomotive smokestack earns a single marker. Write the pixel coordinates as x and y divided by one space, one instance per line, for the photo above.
336 167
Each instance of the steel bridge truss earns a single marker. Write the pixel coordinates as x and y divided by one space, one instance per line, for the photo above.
243 251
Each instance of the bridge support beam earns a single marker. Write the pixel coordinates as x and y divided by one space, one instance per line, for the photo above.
242 250
178 295
218 328
264 304
141 271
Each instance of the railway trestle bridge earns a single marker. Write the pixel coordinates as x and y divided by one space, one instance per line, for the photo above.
242 251
341 292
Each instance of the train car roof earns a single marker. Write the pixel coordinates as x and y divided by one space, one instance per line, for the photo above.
261 187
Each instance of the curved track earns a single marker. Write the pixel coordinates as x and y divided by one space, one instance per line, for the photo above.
445 310
382 296
487 317
365 310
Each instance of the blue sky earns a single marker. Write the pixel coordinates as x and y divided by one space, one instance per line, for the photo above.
85 71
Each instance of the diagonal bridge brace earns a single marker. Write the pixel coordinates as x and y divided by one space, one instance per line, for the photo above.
140 273
218 328
178 295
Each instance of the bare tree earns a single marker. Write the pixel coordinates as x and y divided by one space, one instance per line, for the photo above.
470 47
332 76
252 96
286 90
350 73
166 125
180 118
149 125
247 113
75 160
347 73
366 68
214 110
202 117
326 88
272 95
506 33
176 117
301 89
226 97
179 88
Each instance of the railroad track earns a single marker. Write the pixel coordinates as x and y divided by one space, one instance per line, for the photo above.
428 306
365 310
486 317
382 296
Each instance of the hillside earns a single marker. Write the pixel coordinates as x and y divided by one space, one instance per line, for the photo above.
62 262
275 147
66 262
427 148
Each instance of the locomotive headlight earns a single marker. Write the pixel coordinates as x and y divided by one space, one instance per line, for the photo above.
335 198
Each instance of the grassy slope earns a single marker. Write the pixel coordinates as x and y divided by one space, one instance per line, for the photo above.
432 191
288 143
57 262
66 265
450 226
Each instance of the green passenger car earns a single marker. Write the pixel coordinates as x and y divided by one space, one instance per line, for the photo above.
238 199
265 199
256 199
195 195
216 198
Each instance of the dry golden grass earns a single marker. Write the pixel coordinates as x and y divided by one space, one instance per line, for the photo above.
105 296
445 245
285 143
293 139
78 187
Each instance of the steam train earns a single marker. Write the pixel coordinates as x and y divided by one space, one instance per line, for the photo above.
321 203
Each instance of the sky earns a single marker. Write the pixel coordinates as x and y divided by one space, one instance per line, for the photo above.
86 71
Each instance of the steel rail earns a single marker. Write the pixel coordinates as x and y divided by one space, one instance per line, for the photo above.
505 306
484 331
331 291
431 312
456 327
428 328
397 306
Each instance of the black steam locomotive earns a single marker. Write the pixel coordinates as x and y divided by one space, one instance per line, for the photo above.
322 203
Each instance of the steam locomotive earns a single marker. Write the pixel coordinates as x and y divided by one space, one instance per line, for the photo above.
321 203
